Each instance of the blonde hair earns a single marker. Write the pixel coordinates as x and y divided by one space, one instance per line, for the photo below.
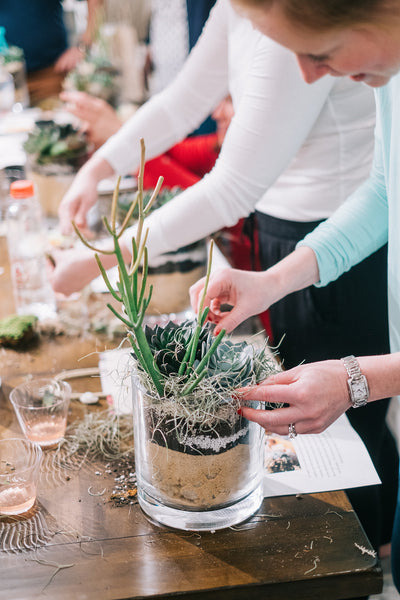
323 15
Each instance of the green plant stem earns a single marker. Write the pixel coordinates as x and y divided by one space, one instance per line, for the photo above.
190 354
191 385
196 376
134 317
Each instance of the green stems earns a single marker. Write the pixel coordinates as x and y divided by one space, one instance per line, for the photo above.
131 293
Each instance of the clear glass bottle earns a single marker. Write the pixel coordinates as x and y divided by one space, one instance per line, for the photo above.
14 63
27 244
7 89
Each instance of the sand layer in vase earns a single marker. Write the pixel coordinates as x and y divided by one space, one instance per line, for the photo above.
198 482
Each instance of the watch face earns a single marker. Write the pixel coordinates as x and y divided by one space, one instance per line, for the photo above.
358 390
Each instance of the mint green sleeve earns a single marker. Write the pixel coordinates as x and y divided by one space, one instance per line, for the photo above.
357 229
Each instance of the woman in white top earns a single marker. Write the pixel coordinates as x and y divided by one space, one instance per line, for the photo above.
293 153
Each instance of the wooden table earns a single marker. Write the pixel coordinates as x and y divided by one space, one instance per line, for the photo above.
84 546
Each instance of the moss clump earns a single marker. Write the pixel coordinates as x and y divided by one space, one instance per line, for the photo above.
17 329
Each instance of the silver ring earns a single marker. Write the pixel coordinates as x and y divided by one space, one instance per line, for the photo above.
292 431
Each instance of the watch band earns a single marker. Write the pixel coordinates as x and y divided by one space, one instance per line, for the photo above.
357 382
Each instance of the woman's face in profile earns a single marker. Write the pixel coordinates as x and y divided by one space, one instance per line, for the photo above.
369 54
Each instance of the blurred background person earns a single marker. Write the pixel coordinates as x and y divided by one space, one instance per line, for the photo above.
175 27
38 27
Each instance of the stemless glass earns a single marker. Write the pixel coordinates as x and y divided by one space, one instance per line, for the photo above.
41 406
19 471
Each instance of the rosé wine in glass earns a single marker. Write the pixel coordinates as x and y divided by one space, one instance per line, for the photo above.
46 432
19 471
41 406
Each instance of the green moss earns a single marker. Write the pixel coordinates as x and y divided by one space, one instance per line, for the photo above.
16 329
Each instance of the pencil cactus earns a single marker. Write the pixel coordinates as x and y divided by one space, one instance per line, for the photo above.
176 358
131 293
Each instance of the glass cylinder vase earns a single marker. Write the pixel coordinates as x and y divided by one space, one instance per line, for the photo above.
196 470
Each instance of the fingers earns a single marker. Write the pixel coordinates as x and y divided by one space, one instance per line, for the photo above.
65 220
314 395
218 291
82 105
230 320
272 422
66 213
80 217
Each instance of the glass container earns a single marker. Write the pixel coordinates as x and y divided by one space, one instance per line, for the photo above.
196 469
20 462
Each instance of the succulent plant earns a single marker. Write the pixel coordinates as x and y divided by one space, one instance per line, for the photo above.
169 344
95 75
231 365
50 142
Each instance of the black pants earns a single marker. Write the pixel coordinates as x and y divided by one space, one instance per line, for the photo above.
348 316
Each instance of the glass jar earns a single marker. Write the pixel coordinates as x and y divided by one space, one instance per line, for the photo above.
196 470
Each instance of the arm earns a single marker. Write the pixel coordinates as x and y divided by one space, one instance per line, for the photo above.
249 292
175 112
69 59
166 118
272 120
358 228
99 120
317 393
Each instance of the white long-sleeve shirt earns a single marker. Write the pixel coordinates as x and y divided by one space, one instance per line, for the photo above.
294 151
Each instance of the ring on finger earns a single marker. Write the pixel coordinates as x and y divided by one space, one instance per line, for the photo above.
292 431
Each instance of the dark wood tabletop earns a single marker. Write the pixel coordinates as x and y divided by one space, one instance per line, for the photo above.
77 542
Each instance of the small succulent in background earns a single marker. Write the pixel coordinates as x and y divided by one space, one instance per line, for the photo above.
50 142
96 76
125 200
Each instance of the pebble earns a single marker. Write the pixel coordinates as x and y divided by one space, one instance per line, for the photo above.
89 398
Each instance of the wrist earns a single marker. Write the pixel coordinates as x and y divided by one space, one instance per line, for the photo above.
383 374
97 168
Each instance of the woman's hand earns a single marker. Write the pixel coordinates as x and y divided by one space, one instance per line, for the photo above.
99 119
72 270
68 60
250 293
245 291
316 394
